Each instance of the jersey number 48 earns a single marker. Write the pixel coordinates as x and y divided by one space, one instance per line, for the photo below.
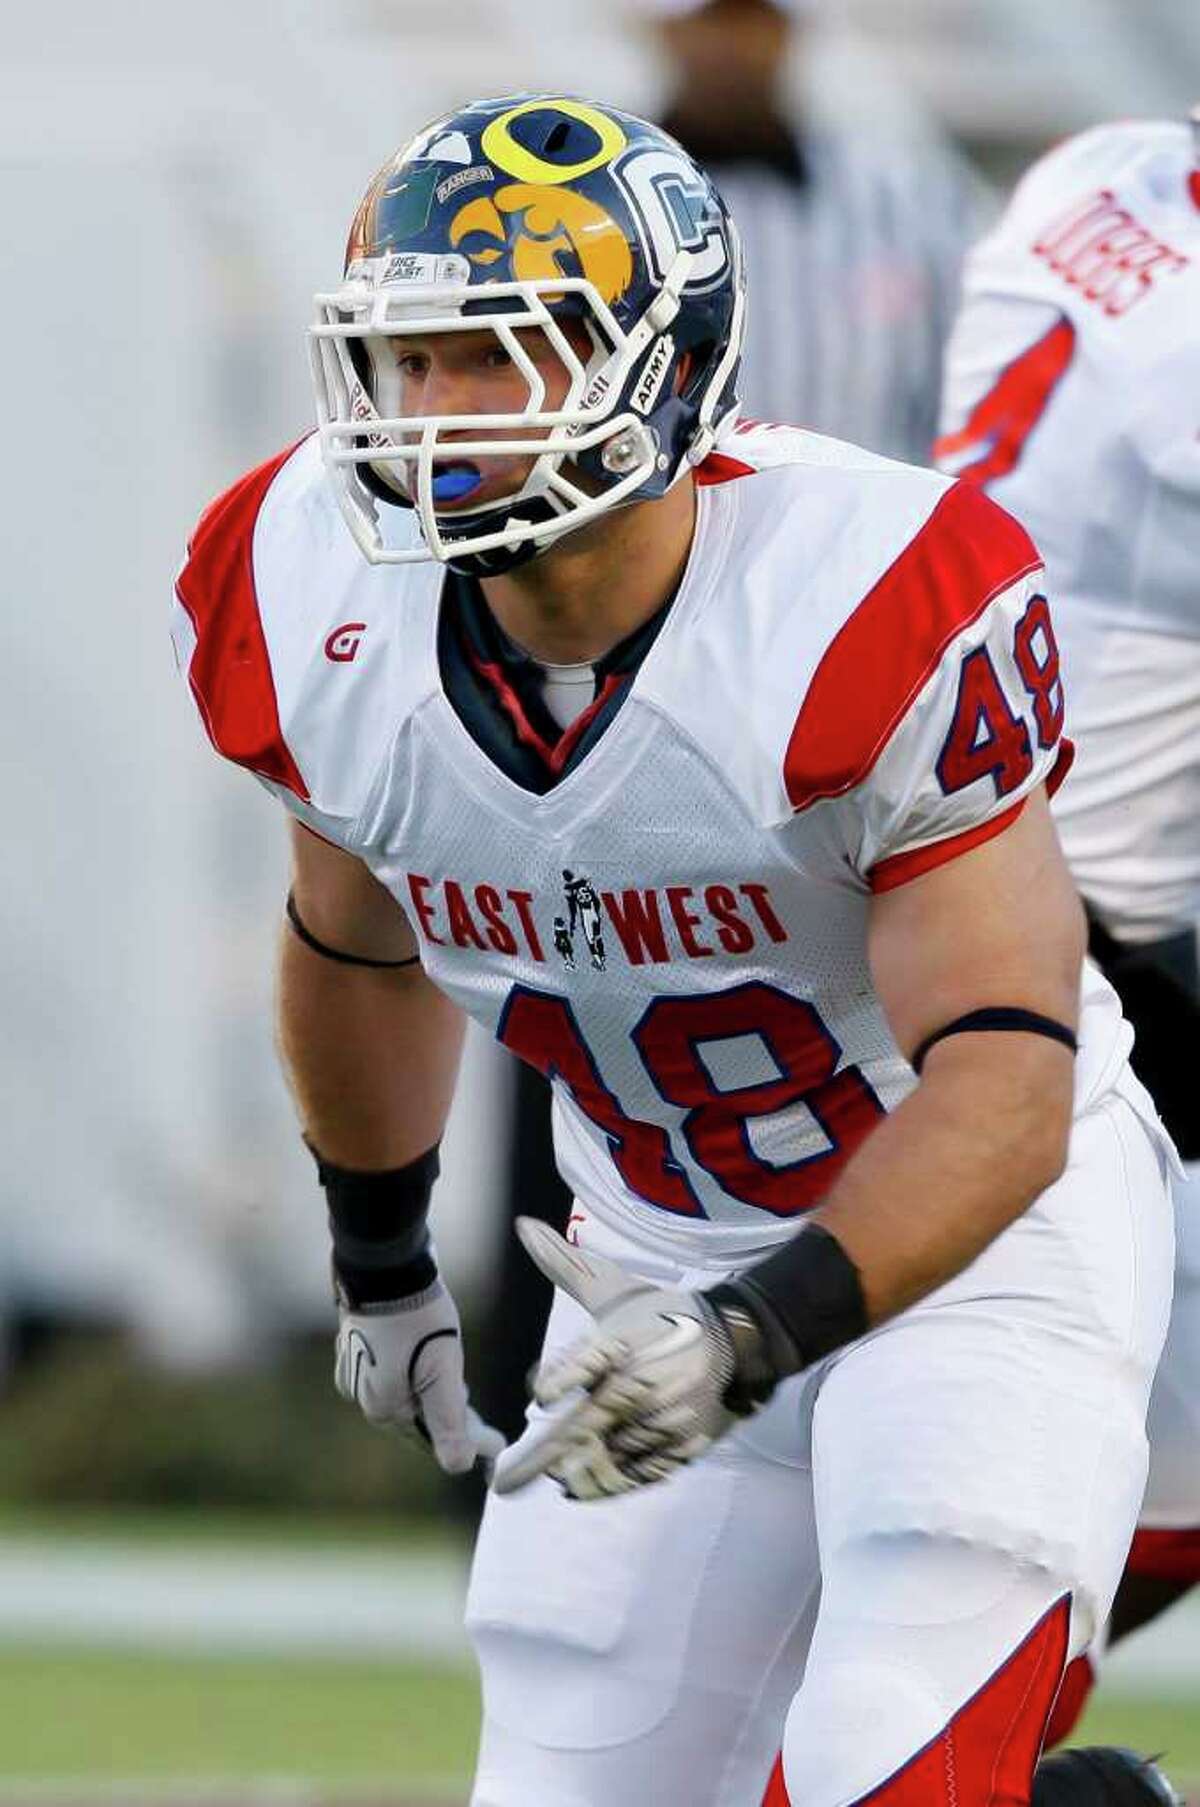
542 1028
986 738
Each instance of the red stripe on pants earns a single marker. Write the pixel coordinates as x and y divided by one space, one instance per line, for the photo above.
985 1757
777 1794
1077 1684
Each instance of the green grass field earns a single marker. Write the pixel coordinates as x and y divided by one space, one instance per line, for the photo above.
1166 1727
333 1729
108 1716
345 1726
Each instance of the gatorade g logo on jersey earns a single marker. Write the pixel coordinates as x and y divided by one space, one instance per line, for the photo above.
526 232
343 642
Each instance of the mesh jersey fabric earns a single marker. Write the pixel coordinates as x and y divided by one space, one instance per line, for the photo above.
676 929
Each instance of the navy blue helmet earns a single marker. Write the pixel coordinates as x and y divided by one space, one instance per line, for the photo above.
529 212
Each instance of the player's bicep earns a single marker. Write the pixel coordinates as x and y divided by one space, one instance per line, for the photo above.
999 925
343 904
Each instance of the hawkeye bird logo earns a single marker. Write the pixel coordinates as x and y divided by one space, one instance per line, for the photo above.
527 231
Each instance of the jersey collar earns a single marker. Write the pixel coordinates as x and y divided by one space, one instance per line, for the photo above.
495 689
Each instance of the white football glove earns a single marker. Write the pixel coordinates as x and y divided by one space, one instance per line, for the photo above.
402 1364
639 1397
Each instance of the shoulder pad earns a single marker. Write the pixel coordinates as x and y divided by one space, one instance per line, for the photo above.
1135 162
766 445
229 669
967 552
303 659
838 579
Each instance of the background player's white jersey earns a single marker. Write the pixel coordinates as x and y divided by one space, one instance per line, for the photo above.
856 680
1073 393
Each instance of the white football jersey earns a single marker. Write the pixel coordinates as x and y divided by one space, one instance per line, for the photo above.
856 681
1072 393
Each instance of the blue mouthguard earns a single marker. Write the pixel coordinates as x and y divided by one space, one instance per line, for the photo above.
449 486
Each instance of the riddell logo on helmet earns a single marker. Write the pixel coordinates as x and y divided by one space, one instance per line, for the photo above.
343 643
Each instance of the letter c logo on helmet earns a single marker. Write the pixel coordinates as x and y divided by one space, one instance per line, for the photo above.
528 214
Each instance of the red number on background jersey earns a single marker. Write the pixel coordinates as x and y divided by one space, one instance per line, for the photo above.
986 739
994 436
543 1030
1036 652
669 1039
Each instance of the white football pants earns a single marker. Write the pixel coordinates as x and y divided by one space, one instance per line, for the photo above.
1172 1500
916 1532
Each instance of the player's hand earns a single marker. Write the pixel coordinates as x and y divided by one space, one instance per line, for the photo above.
402 1364
635 1400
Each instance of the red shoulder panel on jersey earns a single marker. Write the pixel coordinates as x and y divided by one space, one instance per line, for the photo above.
986 1756
719 467
898 868
230 673
968 551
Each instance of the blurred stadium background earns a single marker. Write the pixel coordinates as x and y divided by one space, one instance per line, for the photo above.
209 1570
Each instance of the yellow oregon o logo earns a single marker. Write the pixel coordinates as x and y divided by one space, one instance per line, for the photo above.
502 149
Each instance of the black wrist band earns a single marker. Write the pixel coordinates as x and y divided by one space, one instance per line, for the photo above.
332 953
378 1221
806 1299
1000 1016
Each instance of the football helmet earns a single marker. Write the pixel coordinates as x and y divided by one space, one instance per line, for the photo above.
529 212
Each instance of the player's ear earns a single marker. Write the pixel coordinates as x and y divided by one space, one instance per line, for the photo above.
687 364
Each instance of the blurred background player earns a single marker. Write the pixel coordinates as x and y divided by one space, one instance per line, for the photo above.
1073 396
853 250
853 245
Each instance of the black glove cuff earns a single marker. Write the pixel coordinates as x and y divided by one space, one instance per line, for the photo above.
379 1226
754 1377
806 1300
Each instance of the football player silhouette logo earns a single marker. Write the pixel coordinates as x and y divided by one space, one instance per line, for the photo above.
583 913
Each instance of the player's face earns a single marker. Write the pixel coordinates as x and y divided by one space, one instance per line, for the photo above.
472 373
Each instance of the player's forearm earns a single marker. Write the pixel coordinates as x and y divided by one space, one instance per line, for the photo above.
960 1160
371 1057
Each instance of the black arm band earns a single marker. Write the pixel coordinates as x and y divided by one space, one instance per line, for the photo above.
1002 1016
805 1299
379 1226
332 953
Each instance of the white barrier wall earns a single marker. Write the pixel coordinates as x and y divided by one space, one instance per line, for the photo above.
169 203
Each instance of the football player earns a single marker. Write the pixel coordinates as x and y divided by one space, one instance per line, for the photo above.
1073 397
707 766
